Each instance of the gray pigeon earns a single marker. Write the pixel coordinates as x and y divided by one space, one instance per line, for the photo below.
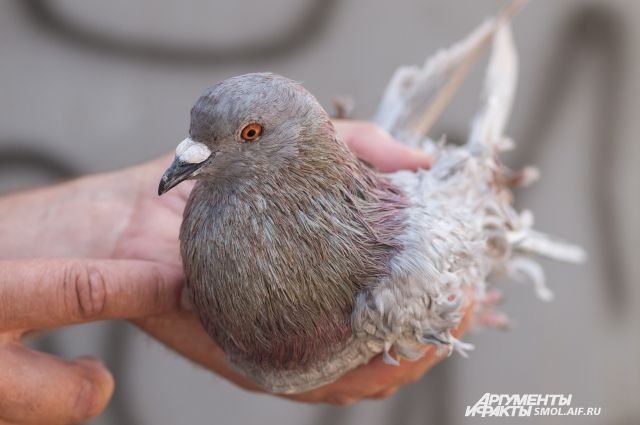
304 262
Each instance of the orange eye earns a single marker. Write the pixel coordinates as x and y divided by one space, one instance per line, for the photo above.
251 132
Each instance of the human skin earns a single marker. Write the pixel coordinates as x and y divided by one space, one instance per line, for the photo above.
106 247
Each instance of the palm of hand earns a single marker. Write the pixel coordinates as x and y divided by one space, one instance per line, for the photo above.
151 232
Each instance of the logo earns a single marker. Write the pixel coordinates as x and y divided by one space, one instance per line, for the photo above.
525 405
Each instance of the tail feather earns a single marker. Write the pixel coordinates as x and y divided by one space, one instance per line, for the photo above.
489 124
416 96
534 242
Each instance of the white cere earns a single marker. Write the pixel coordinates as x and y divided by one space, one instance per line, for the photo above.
192 152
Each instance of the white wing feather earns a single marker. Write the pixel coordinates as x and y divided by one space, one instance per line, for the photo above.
462 226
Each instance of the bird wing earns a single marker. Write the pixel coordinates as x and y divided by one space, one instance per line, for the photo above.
461 226
416 96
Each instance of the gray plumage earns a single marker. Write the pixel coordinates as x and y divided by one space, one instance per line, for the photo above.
303 262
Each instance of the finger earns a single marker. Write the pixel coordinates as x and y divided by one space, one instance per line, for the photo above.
363 381
493 319
38 388
411 371
493 297
375 145
51 292
407 371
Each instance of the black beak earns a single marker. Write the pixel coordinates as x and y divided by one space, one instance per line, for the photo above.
177 172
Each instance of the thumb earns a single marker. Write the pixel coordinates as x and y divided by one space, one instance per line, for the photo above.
51 292
375 145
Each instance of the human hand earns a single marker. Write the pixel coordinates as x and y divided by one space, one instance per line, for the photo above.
153 234
37 388
144 227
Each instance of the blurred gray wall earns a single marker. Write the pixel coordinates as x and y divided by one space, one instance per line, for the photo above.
87 86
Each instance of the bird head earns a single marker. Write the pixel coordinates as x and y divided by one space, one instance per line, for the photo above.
246 126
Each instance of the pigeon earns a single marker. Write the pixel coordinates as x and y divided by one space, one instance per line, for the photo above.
303 261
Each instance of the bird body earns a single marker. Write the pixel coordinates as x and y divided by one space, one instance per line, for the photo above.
291 253
304 262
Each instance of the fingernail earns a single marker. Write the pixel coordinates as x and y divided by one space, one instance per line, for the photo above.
84 404
424 158
94 389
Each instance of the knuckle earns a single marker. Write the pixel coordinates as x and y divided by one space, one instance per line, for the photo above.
85 291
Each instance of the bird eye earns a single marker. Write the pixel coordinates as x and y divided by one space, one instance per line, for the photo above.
251 132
